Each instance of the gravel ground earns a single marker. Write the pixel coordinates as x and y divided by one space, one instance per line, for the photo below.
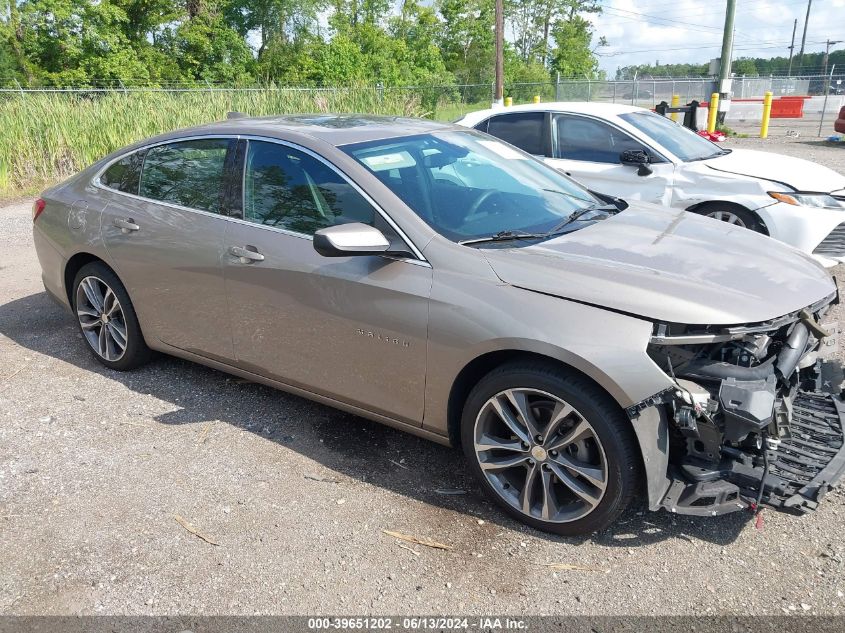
95 466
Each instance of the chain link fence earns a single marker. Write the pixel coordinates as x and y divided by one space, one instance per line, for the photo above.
447 102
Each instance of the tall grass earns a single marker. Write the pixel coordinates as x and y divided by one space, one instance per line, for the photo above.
45 137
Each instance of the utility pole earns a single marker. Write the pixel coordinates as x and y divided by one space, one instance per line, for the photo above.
804 36
792 47
828 44
725 60
499 92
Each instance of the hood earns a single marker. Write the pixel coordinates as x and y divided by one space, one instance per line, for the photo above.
668 265
801 175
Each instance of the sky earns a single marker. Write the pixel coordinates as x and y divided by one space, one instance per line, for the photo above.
679 31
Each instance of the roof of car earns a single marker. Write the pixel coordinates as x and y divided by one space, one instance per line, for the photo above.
337 129
578 107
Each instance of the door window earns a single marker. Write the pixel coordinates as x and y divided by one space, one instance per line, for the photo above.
287 188
125 174
522 129
187 173
580 138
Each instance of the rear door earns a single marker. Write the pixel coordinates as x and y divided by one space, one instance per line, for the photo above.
163 228
529 131
350 328
589 150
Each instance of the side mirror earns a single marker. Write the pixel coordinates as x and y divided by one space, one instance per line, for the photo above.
347 240
637 158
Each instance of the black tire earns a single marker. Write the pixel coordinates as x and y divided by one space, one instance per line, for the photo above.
136 352
610 425
748 218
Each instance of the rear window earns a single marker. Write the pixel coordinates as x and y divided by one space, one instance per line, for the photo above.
522 129
125 174
187 173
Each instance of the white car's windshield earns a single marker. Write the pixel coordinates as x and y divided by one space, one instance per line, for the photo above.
681 141
469 186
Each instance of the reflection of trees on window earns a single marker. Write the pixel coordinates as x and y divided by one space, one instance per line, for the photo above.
291 190
288 198
189 173
125 174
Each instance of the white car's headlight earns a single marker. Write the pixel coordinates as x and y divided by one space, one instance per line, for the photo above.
817 200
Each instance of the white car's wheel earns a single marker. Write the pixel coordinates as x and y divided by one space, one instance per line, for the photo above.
732 214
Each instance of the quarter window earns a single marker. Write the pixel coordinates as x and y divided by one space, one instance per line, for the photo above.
289 189
580 138
125 174
522 129
187 173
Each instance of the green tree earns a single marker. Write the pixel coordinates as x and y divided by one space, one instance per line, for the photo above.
744 66
207 48
466 39
572 56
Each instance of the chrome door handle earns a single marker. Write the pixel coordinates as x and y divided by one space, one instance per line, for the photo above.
246 255
125 225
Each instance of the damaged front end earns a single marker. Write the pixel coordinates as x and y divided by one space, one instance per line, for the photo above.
756 414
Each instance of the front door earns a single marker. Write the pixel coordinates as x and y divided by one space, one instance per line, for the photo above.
166 238
352 328
589 151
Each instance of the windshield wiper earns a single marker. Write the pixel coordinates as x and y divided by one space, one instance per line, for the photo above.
509 235
573 217
569 195
504 236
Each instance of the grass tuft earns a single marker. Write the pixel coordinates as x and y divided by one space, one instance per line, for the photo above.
45 137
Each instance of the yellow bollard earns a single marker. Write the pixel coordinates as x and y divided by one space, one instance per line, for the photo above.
508 101
712 111
767 111
536 98
676 101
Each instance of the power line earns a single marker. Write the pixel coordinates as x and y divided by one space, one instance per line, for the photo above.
691 48
751 5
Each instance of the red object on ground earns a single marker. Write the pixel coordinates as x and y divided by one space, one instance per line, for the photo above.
716 137
839 124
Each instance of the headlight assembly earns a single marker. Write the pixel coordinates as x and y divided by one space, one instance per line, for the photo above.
816 200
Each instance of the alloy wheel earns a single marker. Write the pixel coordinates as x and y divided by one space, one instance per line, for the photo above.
540 455
727 216
101 318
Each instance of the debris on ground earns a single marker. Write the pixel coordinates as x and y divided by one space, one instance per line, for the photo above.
450 491
569 567
204 434
417 540
410 549
328 480
189 526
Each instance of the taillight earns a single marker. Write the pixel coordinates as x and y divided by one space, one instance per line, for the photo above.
37 208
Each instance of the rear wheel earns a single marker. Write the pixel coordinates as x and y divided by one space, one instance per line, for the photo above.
550 448
107 318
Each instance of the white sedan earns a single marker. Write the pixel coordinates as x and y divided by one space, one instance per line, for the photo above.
635 154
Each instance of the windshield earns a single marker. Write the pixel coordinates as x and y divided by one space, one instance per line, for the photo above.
467 185
681 141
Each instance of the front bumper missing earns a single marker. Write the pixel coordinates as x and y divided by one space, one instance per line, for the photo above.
812 461
802 469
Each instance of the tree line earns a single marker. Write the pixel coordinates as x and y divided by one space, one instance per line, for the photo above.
290 42
810 64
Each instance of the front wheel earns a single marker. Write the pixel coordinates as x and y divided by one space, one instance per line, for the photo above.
551 448
735 215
